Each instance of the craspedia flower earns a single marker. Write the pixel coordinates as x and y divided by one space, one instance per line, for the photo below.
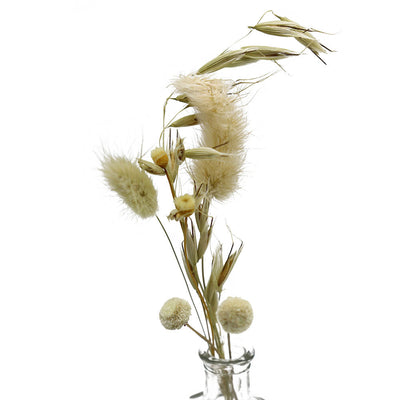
132 185
175 313
235 315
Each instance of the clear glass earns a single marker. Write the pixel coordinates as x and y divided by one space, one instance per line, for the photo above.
227 379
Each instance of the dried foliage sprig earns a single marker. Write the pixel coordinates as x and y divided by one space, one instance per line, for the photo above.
215 164
288 28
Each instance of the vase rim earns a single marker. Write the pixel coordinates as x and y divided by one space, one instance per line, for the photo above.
241 355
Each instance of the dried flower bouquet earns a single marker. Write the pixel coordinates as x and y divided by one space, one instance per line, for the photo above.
214 166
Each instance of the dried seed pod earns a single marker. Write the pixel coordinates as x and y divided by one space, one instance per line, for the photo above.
202 153
173 165
188 120
226 59
228 266
181 98
211 293
180 151
267 53
205 236
245 55
282 28
309 41
150 167
191 269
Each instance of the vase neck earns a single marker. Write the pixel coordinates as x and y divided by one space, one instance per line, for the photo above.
227 379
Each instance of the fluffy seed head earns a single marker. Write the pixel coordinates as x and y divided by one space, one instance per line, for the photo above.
235 315
132 185
223 127
175 313
160 157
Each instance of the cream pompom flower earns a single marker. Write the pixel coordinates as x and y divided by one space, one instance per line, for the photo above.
175 313
132 185
235 315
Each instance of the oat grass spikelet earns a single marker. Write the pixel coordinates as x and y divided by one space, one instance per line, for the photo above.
308 40
132 185
223 128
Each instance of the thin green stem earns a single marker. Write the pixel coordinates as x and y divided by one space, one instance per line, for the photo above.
183 275
172 119
171 185
203 337
229 346
202 272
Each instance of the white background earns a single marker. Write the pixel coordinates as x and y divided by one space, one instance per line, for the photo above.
81 281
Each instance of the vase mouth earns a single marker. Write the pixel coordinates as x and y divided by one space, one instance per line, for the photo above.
240 355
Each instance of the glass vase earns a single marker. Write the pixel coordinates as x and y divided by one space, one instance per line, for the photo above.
227 379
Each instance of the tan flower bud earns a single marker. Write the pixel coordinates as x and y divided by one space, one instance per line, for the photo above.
160 157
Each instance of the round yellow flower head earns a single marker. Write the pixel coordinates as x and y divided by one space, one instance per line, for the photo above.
175 313
160 157
235 315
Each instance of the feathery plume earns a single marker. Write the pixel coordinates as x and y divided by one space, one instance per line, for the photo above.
223 127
